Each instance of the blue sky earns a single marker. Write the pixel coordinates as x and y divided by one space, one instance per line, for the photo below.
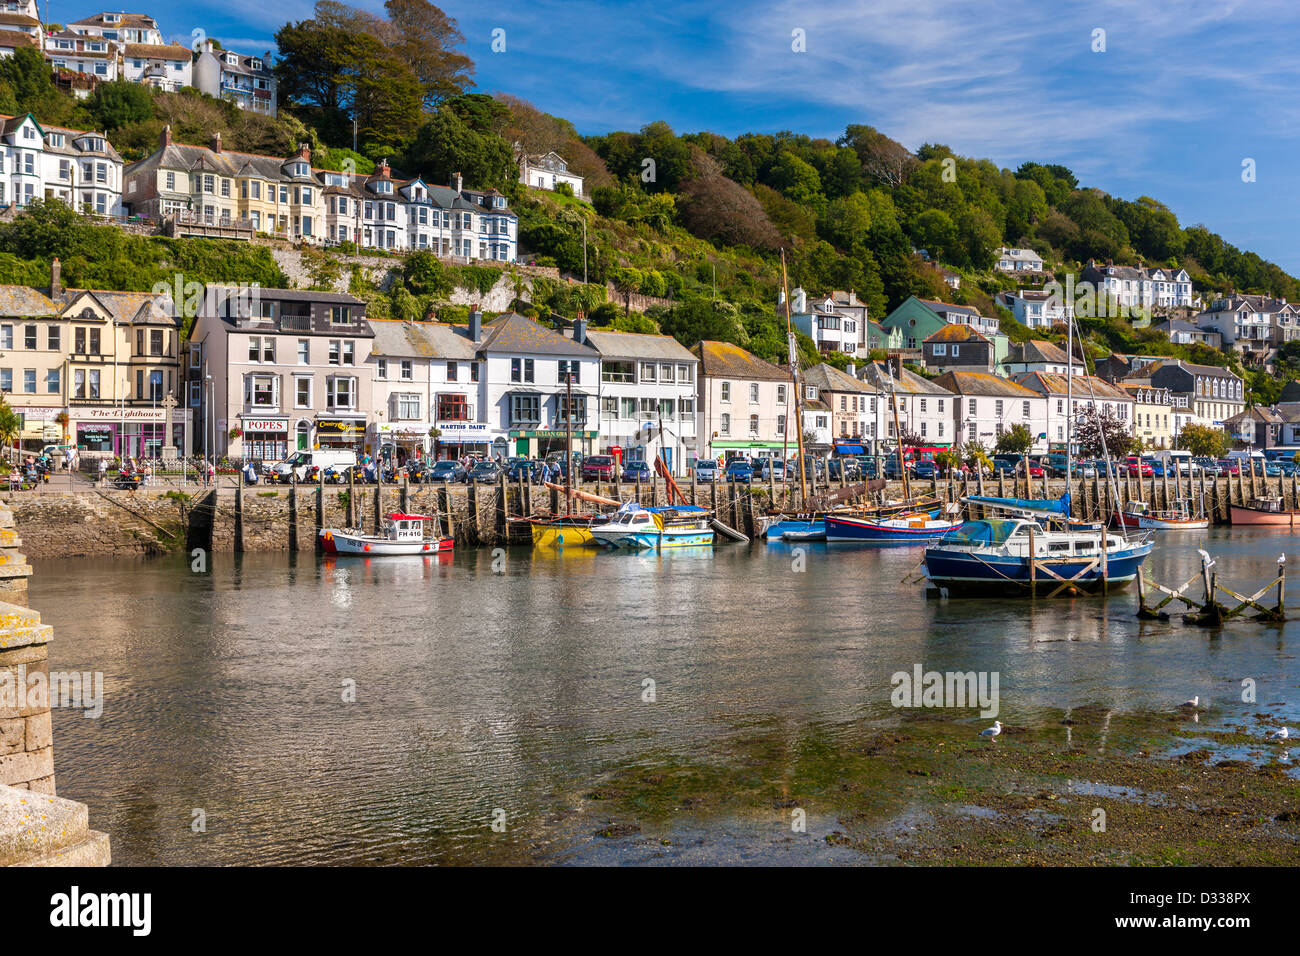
1184 92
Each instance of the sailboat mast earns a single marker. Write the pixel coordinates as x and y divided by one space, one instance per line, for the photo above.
898 439
792 346
1069 398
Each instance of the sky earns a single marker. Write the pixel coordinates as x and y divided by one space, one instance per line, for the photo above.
1162 99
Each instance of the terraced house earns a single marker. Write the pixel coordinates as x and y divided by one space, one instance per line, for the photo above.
91 366
164 66
78 167
745 404
210 185
246 81
985 407
91 56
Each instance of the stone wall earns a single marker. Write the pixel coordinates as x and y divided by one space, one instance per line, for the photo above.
85 523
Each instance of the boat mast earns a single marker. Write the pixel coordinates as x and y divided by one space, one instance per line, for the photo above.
1069 397
793 348
568 439
898 437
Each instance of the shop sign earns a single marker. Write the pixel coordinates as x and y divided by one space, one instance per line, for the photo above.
266 424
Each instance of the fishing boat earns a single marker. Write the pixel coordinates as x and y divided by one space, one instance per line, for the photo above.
564 531
638 528
1262 512
1179 517
778 526
914 528
1017 555
400 534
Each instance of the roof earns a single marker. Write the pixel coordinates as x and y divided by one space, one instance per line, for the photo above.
164 51
1258 413
904 381
948 307
827 378
513 332
1037 350
639 345
726 360
16 300
404 339
1212 371
1084 387
293 295
957 333
983 383
16 38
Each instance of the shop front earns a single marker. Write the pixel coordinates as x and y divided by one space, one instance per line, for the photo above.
265 439
753 449
540 442
129 432
342 433
39 427
403 441
466 438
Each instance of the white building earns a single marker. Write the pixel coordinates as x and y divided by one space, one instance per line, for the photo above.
1018 260
985 407
119 28
246 81
1037 355
1083 395
1137 287
646 381
79 167
925 408
1038 309
20 26
547 172
91 56
165 67
1253 325
427 388
836 322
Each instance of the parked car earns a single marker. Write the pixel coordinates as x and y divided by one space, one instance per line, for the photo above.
445 472
485 472
848 465
738 469
1228 466
1207 465
637 471
774 466
1139 467
706 469
927 470
1035 470
1055 465
892 472
868 468
1003 466
521 469
598 468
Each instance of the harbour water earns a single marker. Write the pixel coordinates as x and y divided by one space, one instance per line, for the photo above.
484 685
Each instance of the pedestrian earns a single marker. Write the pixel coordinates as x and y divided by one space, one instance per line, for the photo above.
212 473
103 471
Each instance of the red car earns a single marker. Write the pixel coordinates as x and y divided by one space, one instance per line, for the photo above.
1229 466
1035 469
598 467
1142 469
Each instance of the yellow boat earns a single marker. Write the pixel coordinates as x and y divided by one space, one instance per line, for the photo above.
561 536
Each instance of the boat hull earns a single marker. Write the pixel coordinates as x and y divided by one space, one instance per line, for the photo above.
333 541
1240 515
964 573
888 531
1150 523
561 536
777 529
653 539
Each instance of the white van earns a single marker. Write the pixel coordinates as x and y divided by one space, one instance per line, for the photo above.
299 462
1178 462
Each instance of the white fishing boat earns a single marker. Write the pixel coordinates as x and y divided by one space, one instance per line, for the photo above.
638 528
1178 517
400 534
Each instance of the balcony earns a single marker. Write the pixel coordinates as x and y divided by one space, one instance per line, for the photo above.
295 323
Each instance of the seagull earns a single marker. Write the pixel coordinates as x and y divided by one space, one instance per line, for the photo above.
1282 733
1192 704
992 732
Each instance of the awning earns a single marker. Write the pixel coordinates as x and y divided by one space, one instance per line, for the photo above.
848 449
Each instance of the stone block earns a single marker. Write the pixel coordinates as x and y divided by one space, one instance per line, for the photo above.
13 735
27 766
43 830
40 732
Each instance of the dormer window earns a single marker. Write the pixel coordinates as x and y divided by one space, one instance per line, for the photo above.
499 202
383 186
232 59
254 64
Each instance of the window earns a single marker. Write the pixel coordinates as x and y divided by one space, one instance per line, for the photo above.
686 406
753 393
341 392
340 315
684 374
726 391
29 337
648 375
381 368
575 414
302 391
970 407
452 368
521 370
1025 410
6 336
525 409
753 424
29 381
304 351
997 408
94 342
408 406
93 391
724 424
52 381
407 370
262 391
780 394
939 348
570 368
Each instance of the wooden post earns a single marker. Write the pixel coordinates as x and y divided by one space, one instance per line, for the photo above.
352 498
713 503
1033 565
694 496
638 489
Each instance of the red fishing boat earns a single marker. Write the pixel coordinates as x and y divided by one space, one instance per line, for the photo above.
1178 517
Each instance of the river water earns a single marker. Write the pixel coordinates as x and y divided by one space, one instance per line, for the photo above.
485 686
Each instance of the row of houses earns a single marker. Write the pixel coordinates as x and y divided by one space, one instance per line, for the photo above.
130 46
265 372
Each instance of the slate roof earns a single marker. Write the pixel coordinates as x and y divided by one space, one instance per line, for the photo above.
636 345
155 51
402 339
828 378
1211 371
983 383
1085 386
1036 350
725 360
513 332
957 333
21 300
16 38
905 381
948 307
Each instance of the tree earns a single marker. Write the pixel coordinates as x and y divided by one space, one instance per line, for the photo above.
425 38
10 424
975 456
446 145
886 161
120 103
1204 441
1017 440
713 207
1097 435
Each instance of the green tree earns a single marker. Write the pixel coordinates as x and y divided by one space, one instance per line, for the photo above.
1204 441
10 424
1016 440
425 38
120 103
445 145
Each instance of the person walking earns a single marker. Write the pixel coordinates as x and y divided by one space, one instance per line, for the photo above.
103 471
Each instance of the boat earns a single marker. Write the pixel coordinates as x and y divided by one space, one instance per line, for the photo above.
1179 517
993 557
807 534
638 528
1049 506
776 526
564 531
1262 512
915 528
400 534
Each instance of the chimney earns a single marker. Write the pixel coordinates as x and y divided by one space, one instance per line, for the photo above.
475 324
382 169
580 330
852 369
304 152
216 142
56 278
459 182
165 139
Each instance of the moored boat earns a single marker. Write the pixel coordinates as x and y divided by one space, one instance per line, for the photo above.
1179 517
1262 512
915 528
638 528
401 534
1017 555
564 531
